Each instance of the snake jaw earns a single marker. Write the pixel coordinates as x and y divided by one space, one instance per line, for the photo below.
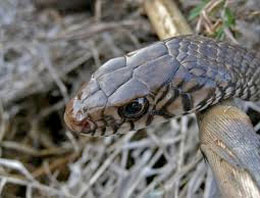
76 119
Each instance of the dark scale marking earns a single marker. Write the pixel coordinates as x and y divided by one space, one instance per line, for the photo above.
187 102
222 90
194 88
103 131
91 119
120 124
180 84
241 93
233 91
153 95
132 125
92 133
203 104
249 94
115 126
149 120
110 121
170 101
115 129
163 94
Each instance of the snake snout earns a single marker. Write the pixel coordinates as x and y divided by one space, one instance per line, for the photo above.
76 120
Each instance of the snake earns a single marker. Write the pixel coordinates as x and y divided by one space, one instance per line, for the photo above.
164 80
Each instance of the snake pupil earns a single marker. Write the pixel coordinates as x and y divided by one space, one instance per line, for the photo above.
135 109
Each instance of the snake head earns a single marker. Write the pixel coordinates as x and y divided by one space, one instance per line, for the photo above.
129 93
99 108
119 96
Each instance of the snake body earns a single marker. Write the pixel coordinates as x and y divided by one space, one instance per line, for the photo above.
169 78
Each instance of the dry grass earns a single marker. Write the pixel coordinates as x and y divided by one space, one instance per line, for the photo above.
44 57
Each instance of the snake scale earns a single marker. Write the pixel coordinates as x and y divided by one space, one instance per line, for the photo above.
167 79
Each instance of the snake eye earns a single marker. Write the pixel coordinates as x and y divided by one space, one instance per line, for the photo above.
134 109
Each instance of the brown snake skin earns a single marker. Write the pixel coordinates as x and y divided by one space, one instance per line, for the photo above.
169 78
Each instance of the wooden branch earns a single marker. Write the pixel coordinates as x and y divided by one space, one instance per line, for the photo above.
166 18
228 140
232 148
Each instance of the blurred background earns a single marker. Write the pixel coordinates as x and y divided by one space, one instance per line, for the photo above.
48 48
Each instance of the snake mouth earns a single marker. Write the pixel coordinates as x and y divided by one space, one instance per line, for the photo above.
85 126
76 121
